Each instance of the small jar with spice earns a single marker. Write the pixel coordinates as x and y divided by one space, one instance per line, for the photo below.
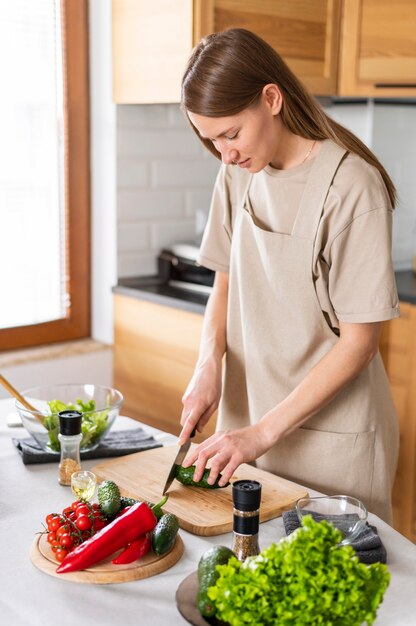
246 500
70 439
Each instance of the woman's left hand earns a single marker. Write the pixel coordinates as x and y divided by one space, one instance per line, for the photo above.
227 450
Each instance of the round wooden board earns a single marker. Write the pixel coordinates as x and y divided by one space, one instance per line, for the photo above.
186 603
105 573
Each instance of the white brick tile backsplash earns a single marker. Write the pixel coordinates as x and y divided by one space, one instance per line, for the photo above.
132 237
166 177
166 233
132 172
136 264
145 115
143 142
176 117
149 204
183 174
198 200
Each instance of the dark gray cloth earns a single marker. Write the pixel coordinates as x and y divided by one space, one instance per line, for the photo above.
116 443
368 545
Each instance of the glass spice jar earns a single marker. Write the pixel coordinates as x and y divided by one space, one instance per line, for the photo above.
246 500
70 439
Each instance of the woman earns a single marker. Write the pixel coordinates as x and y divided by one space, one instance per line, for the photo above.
299 235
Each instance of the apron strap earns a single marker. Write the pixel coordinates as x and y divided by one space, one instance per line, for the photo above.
316 189
246 200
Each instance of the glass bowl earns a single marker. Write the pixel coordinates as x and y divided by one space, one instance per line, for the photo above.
96 422
347 514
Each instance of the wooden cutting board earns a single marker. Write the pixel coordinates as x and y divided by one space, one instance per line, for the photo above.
203 512
105 572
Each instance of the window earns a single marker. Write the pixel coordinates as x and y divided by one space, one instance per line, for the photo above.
44 172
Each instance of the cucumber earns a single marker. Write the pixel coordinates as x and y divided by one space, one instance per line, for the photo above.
109 498
208 576
185 475
164 533
124 501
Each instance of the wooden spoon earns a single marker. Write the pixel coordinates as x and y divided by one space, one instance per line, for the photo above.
21 399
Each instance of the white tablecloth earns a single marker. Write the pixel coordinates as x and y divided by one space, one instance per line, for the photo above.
28 597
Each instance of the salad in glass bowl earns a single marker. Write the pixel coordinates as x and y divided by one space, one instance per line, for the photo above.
98 404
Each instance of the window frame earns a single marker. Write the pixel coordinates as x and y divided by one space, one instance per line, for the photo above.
77 323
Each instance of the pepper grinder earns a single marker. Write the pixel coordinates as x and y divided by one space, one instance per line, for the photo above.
246 500
70 438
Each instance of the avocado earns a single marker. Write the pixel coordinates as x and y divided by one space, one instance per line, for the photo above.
208 576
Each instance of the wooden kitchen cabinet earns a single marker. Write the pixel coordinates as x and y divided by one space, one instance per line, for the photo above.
155 351
378 48
398 350
336 47
152 40
305 33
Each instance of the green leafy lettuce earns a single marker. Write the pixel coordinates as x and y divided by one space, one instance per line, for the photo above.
305 579
92 426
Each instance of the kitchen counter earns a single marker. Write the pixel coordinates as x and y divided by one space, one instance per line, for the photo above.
152 289
30 597
406 286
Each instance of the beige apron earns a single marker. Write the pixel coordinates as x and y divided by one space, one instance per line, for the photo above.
276 332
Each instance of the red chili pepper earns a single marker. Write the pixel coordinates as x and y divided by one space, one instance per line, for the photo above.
138 548
137 521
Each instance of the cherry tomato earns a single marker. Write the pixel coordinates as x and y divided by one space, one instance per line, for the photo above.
62 530
60 554
82 510
75 505
66 541
95 506
55 523
83 522
49 518
72 517
98 524
67 511
51 537
55 545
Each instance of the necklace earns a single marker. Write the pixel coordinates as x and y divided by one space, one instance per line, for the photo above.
308 153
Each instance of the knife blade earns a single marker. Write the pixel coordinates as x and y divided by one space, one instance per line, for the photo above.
183 450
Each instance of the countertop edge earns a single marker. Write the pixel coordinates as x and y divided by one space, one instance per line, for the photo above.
151 288
165 300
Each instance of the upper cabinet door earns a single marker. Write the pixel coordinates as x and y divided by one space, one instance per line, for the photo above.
378 51
305 33
151 44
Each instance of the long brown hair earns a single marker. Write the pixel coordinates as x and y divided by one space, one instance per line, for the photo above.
226 74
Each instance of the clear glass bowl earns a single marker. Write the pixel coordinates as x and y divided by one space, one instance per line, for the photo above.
347 514
107 400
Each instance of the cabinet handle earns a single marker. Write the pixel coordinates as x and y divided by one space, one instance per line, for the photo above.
395 85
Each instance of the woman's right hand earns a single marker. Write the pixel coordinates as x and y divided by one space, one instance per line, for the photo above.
201 398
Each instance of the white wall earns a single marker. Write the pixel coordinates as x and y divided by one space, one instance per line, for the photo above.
103 171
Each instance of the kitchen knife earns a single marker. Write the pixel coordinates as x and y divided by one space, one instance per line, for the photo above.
178 461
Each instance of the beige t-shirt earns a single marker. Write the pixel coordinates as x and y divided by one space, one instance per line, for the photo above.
352 267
